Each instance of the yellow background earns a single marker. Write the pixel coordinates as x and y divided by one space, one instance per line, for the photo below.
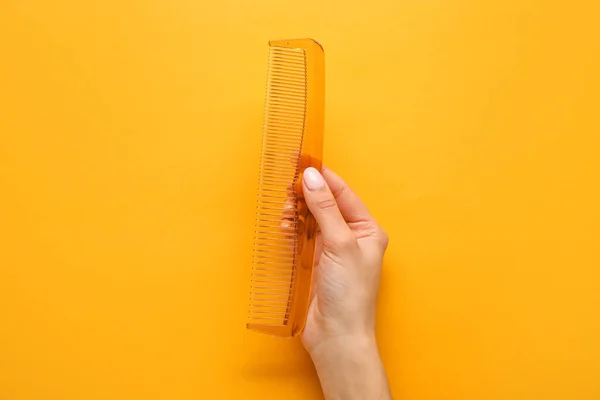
129 149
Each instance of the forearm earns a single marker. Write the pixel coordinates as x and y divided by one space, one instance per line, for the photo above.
351 369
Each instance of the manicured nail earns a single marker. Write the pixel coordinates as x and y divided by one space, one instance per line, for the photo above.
313 179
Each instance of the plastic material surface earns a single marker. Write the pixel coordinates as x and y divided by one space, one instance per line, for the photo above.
285 235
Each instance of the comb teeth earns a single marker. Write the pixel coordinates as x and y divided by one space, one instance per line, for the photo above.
275 257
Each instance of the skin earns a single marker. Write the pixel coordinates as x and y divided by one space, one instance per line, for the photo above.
340 328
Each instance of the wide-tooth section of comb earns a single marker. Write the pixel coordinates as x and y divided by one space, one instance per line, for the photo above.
276 227
284 230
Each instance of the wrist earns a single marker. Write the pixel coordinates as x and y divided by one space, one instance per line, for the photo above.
349 367
351 346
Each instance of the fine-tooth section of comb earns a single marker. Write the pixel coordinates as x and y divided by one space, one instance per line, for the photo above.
285 231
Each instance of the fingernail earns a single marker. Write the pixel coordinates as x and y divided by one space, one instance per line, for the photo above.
313 179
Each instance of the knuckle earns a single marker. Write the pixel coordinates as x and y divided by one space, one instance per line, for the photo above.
384 238
337 192
326 203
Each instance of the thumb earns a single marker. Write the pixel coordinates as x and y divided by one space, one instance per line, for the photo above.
323 206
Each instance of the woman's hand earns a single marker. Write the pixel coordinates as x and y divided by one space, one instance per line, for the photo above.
340 328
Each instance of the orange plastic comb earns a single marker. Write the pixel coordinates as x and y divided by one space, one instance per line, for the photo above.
285 235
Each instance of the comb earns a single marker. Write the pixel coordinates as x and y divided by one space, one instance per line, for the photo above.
285 231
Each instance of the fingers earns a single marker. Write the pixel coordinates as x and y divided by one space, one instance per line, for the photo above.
354 211
287 215
339 210
350 205
323 206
